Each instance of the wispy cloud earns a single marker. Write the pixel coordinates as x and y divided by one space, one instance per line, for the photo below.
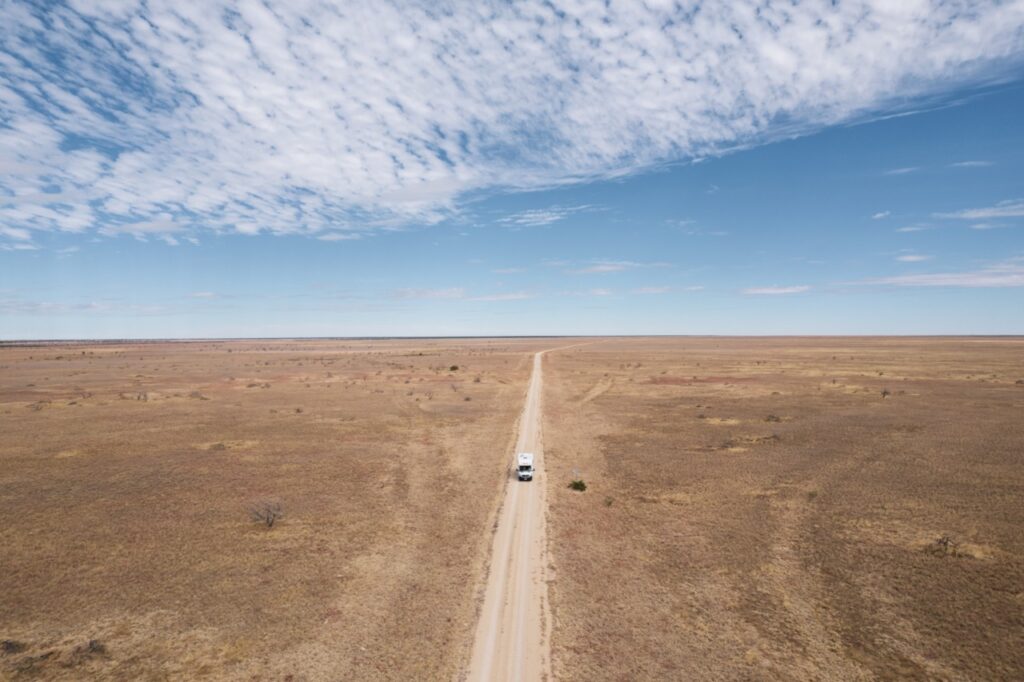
880 215
1008 273
512 296
606 266
340 236
1012 208
283 118
913 258
161 226
16 233
902 171
775 291
652 290
986 226
457 294
542 216
913 228
507 271
202 294
413 294
21 306
698 232
970 164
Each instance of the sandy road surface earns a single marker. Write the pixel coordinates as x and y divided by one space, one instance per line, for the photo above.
512 638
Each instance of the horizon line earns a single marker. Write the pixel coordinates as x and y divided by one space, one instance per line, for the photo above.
429 337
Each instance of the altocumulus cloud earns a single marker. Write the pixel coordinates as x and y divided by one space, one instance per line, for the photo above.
1008 273
775 291
313 117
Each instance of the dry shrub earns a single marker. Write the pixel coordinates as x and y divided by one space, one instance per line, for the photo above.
266 512
944 546
11 646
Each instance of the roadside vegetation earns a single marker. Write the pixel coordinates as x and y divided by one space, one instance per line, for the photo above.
787 509
271 510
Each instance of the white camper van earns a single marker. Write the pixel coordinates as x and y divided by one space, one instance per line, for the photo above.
525 469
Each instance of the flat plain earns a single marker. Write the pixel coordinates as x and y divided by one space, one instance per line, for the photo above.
127 473
802 508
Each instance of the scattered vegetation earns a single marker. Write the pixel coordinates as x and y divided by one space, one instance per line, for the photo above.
12 646
822 521
578 485
266 512
93 647
944 546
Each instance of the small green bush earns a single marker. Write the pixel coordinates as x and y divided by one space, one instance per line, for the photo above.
578 484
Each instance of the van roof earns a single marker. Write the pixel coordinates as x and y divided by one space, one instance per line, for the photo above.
525 456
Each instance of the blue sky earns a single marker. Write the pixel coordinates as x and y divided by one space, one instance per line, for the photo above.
539 169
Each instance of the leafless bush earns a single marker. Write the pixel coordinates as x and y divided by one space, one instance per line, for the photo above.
886 393
93 647
266 512
11 646
944 546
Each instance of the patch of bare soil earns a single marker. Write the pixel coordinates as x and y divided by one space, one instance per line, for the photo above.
129 476
823 509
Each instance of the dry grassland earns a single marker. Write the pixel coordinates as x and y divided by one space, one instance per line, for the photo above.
757 509
127 472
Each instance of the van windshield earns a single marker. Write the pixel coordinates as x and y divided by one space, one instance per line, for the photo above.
525 467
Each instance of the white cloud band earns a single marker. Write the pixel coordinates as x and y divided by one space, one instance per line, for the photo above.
309 117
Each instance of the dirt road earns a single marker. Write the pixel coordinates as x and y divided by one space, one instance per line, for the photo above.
512 637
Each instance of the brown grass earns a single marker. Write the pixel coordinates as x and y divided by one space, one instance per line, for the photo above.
127 476
850 536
